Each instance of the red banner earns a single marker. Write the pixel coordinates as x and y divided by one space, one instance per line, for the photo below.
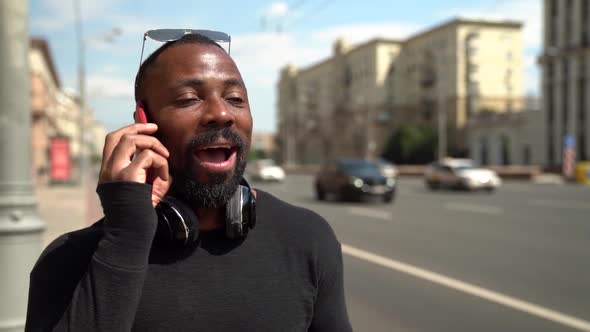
61 164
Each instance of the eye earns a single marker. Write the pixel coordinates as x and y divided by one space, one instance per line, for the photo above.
186 100
235 100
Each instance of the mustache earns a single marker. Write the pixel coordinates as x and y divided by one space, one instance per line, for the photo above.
213 135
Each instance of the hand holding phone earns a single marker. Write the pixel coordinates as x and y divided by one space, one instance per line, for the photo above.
133 154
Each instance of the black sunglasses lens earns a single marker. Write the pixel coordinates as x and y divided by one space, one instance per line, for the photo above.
164 35
214 35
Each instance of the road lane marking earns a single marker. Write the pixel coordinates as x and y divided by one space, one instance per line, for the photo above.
561 204
371 213
467 207
458 285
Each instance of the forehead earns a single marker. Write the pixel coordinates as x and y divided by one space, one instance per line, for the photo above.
192 59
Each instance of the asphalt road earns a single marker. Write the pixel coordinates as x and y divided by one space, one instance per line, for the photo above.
514 260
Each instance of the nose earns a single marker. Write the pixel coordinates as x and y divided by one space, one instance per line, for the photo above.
217 114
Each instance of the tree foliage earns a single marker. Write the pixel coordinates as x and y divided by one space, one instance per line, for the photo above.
411 145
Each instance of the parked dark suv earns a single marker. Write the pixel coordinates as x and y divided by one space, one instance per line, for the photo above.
354 179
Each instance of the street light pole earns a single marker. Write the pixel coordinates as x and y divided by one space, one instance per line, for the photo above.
20 226
442 133
82 91
370 143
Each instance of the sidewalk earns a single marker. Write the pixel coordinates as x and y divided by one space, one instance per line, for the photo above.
67 208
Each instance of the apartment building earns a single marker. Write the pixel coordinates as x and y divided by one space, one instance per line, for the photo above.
349 104
565 65
55 112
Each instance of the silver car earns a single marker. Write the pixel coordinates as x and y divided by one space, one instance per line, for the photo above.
265 170
460 174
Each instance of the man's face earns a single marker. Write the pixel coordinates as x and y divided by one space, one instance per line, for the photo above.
196 96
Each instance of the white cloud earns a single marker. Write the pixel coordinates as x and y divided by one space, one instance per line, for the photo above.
277 9
59 13
109 69
108 86
362 32
260 56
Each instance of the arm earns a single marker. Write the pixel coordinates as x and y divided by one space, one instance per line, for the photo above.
89 283
101 290
330 306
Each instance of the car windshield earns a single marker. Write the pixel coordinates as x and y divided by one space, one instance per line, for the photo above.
356 166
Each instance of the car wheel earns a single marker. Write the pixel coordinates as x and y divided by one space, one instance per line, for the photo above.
490 190
432 185
320 193
388 198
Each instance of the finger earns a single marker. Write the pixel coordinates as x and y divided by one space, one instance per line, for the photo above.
131 144
147 160
113 138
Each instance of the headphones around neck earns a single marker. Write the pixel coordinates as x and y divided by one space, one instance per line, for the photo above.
178 226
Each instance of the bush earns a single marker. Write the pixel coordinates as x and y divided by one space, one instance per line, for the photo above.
257 154
411 145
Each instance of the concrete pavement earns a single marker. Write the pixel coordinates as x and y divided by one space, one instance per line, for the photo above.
66 208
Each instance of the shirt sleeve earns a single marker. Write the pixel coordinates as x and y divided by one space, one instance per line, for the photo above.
94 282
330 312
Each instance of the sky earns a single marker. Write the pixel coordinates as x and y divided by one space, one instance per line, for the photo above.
266 36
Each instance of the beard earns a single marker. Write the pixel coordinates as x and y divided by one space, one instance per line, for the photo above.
219 187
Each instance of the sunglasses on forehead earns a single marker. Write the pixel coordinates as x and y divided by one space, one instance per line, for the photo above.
168 35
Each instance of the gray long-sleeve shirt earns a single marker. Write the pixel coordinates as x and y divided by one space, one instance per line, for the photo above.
286 275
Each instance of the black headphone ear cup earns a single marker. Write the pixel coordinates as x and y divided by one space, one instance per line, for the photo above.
250 205
240 212
252 212
178 226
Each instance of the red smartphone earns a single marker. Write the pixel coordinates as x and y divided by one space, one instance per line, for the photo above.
139 109
142 118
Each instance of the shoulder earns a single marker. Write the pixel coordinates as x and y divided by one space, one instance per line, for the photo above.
70 251
281 212
294 221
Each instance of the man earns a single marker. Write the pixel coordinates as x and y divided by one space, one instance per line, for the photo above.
284 275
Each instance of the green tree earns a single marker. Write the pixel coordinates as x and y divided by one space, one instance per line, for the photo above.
411 145
257 154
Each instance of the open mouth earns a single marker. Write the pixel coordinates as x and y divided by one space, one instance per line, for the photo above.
216 157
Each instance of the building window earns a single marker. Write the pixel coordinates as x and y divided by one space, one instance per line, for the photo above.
585 13
553 8
526 155
552 22
550 70
484 151
504 150
567 38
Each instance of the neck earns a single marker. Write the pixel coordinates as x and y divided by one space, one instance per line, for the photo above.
210 218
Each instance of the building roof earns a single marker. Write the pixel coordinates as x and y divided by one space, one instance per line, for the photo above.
353 49
451 23
43 46
462 21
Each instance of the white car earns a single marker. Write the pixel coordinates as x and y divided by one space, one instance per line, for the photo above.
460 174
265 170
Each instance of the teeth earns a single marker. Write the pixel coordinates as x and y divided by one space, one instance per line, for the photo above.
218 147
